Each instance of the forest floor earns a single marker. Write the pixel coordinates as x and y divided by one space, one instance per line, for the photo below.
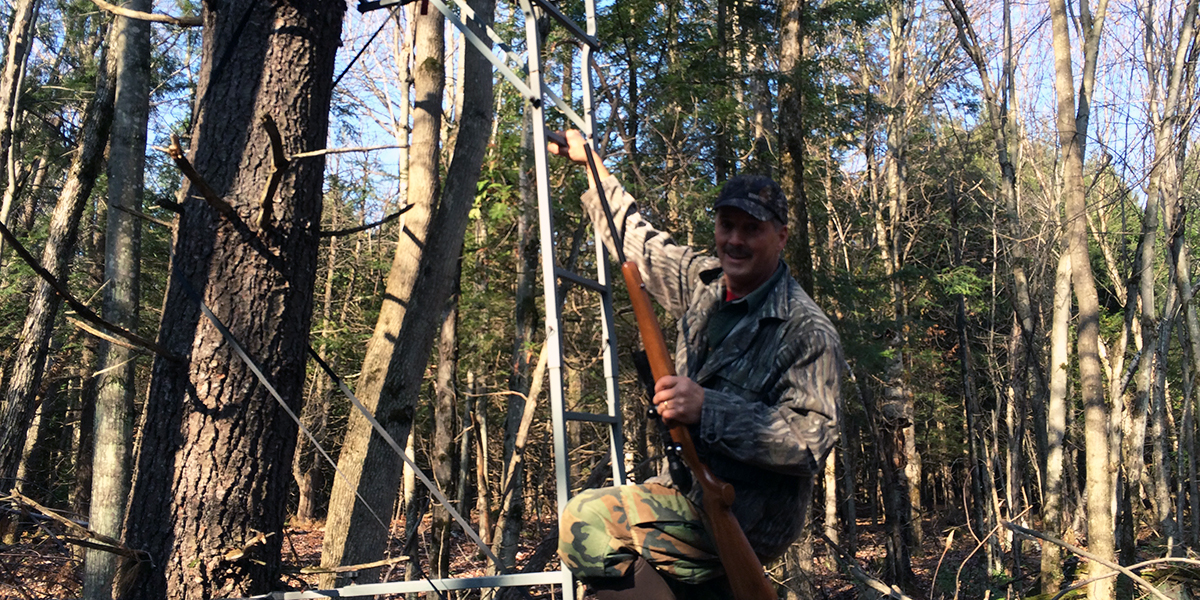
41 567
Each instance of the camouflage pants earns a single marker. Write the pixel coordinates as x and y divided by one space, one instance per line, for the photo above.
602 531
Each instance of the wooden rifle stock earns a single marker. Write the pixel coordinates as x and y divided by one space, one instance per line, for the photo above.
745 572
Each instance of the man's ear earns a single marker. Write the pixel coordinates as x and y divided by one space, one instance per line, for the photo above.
783 235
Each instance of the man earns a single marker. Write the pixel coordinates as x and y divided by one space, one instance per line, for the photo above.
759 380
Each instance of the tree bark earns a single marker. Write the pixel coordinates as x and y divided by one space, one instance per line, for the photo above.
20 32
831 501
129 48
901 462
306 469
1072 131
400 347
511 516
1164 184
443 451
524 315
57 254
1056 425
483 494
216 449
388 386
792 137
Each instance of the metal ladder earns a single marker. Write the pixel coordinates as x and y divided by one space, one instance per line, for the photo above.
552 273
507 65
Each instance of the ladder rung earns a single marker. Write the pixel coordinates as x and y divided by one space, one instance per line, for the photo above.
568 23
579 279
595 418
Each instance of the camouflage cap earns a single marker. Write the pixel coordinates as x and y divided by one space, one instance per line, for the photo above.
759 196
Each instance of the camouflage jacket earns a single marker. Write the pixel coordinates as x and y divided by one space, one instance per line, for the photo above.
772 387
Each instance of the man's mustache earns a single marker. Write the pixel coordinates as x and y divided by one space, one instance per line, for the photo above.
736 251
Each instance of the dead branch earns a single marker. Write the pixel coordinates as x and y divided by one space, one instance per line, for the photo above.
92 539
143 216
347 568
391 217
104 336
175 151
279 166
237 553
848 563
79 307
121 11
323 152
1088 555
1133 567
945 549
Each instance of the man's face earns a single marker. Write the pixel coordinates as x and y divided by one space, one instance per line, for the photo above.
749 249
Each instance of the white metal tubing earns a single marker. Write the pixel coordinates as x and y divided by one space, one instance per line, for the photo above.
616 437
423 585
562 469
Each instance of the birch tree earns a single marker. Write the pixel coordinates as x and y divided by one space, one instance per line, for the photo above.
113 431
1072 122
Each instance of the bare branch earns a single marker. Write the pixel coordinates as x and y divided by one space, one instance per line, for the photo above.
323 152
348 568
1088 555
102 542
104 336
143 216
121 11
847 562
279 166
175 151
391 217
80 308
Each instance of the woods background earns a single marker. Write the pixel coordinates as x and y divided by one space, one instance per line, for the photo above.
990 200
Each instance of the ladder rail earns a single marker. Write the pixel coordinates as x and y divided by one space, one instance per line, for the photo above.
616 441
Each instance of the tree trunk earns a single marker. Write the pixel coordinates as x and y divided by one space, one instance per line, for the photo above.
25 13
980 476
1164 183
388 386
83 411
31 352
901 470
483 494
306 470
210 491
792 137
831 501
1072 130
129 49
443 453
1135 422
1056 425
400 347
511 518
1160 432
525 313
798 565
850 543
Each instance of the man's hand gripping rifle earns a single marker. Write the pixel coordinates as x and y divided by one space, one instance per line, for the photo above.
746 576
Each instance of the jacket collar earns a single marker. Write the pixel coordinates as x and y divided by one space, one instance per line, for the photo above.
776 306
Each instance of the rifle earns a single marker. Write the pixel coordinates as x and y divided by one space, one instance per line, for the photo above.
742 567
